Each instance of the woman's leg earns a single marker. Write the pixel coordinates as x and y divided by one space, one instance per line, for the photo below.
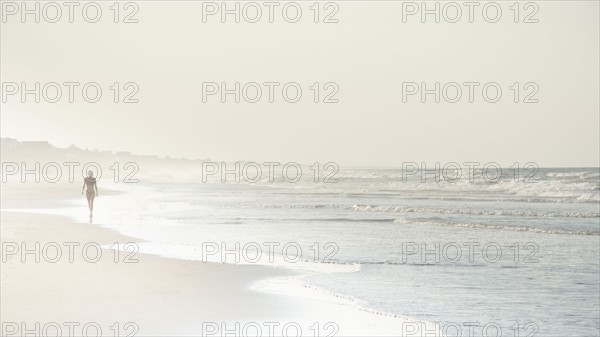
90 200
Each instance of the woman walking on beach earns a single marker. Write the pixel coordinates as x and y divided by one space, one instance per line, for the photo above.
92 190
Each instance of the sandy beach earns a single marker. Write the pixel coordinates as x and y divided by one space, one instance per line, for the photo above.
300 168
154 296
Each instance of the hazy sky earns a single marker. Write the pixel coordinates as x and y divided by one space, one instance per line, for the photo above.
369 53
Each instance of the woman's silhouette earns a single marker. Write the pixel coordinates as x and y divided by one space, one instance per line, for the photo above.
92 190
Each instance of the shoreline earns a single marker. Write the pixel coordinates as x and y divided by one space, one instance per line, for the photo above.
156 289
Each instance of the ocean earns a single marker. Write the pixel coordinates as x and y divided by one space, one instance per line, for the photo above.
513 257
